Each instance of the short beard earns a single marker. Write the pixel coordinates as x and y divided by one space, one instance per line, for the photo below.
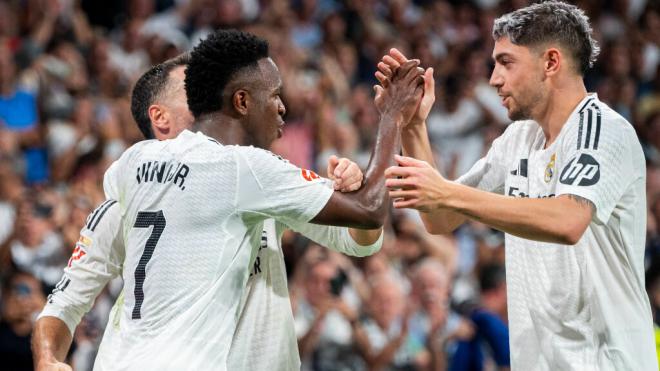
521 113
524 109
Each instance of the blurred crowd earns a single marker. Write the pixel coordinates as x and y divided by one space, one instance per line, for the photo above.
423 302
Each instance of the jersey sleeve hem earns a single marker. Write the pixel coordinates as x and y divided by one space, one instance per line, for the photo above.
362 250
53 310
318 203
600 214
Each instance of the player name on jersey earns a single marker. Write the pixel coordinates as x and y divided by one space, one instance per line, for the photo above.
163 172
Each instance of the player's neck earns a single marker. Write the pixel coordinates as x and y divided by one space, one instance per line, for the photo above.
222 128
560 104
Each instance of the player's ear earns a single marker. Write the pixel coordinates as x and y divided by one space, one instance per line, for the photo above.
241 101
552 60
159 118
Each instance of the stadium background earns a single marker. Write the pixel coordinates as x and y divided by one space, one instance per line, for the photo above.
66 72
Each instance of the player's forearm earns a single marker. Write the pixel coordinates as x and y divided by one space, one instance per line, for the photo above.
367 207
365 237
554 219
51 340
373 195
415 143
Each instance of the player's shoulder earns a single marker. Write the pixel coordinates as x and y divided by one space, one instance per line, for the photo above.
258 155
596 126
104 218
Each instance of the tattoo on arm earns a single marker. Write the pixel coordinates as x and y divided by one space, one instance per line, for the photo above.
583 202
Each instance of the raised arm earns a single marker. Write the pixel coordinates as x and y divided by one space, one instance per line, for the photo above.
415 140
367 207
347 177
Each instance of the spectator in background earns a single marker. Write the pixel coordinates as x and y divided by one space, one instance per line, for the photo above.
324 321
434 324
23 298
490 343
35 246
18 115
382 337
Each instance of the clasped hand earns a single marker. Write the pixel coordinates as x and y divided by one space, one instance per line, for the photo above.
416 184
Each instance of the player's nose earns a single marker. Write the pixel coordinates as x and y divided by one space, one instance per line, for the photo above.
496 79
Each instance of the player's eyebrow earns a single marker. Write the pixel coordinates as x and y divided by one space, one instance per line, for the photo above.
499 56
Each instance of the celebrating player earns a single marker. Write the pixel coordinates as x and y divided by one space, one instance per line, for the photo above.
194 211
566 182
159 108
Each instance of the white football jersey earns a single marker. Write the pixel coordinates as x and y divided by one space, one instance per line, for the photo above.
96 259
265 337
192 220
581 307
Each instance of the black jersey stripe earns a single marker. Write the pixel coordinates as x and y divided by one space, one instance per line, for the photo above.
598 117
90 220
585 104
102 213
589 121
579 141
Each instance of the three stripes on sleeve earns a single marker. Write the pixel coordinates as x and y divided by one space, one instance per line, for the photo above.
94 218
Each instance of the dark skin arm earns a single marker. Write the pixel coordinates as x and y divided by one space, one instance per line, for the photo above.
367 207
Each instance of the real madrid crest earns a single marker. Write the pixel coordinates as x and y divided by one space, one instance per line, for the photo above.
550 169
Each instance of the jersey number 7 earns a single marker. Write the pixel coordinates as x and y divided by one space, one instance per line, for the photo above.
146 219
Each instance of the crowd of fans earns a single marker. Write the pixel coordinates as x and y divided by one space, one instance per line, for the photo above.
423 302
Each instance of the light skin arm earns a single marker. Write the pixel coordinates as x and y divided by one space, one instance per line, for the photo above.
415 140
348 177
51 341
87 274
560 219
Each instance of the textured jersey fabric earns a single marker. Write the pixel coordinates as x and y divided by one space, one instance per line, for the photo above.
193 214
96 259
265 336
581 307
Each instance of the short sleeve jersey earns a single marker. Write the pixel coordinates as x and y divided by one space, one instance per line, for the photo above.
96 259
581 307
192 215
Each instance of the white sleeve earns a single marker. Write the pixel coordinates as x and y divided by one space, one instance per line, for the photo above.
271 187
597 162
110 178
336 238
96 259
489 173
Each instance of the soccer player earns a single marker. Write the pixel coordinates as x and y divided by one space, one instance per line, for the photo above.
566 183
184 313
159 108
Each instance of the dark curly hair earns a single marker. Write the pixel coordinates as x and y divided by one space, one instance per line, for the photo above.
149 87
214 62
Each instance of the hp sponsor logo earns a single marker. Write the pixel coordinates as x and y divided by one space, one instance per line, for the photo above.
582 171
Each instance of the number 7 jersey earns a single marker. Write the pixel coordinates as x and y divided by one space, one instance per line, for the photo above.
192 218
